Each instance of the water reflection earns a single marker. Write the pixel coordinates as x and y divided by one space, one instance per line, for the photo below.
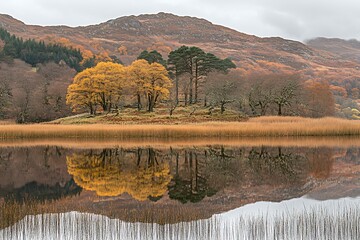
190 182
33 191
196 173
35 174
112 172
166 184
321 161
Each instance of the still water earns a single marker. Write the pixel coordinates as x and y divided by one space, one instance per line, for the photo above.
180 192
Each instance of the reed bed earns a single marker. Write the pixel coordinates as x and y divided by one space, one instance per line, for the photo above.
315 223
259 127
13 212
285 119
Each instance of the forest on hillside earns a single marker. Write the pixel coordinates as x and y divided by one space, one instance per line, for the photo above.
42 82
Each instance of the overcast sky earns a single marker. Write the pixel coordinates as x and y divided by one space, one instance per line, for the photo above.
293 19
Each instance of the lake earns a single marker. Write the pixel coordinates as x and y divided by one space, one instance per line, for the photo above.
258 189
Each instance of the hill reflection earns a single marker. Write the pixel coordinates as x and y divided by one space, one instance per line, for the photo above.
159 184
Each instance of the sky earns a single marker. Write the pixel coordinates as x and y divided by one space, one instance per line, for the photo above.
292 19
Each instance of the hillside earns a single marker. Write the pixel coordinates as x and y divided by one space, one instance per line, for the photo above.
127 36
333 60
347 49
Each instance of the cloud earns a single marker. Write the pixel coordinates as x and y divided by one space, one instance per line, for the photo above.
294 19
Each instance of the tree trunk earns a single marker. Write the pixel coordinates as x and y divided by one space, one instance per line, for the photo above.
176 90
279 110
222 107
196 83
263 109
103 102
109 104
191 90
151 103
196 90
139 102
91 108
172 108
253 109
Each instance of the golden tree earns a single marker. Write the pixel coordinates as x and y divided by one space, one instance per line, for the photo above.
81 93
151 80
137 73
101 85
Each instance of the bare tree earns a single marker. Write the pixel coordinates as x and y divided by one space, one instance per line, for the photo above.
221 90
5 95
173 100
259 94
273 90
56 79
286 89
34 95
184 86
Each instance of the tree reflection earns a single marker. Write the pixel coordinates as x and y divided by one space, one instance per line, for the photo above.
34 191
352 155
220 177
113 172
321 161
189 184
276 165
224 166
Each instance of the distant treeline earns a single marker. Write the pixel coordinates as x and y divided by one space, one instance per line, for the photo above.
37 52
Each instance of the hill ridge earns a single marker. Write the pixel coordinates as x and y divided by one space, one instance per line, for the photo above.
127 36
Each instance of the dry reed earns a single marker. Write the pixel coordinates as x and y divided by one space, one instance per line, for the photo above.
316 223
260 127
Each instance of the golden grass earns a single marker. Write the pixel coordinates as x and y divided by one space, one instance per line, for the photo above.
6 122
285 119
259 127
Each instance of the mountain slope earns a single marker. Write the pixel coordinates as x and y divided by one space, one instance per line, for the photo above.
347 49
165 32
127 36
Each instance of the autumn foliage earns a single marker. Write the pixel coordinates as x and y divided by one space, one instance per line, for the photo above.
101 85
320 99
105 84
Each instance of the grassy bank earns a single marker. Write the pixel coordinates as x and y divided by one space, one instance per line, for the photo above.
195 114
258 127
